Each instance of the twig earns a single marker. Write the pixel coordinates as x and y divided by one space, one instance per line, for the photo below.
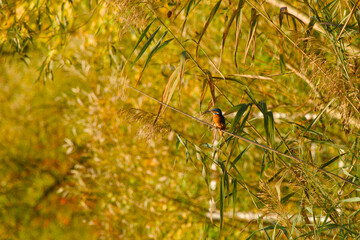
245 139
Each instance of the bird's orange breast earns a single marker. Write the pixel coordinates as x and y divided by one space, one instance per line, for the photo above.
219 121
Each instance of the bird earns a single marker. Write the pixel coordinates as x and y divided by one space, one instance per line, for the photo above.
219 119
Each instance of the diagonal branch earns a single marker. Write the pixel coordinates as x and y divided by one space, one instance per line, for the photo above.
246 139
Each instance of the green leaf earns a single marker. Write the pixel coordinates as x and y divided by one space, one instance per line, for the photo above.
238 116
226 32
170 88
268 124
236 170
283 10
282 63
270 128
234 194
238 29
208 81
253 24
222 200
156 49
234 108
354 199
211 16
285 199
198 153
184 143
147 44
240 155
141 37
310 26
331 160
242 125
347 173
318 116
177 145
187 11
263 165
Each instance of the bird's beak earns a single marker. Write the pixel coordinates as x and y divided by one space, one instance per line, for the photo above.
206 112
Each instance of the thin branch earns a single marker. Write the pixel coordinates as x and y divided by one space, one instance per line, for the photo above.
245 139
348 19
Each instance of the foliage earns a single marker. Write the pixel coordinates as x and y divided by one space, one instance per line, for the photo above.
87 151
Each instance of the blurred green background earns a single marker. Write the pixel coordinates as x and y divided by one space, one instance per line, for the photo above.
83 156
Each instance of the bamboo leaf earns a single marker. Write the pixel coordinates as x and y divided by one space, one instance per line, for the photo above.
238 29
347 173
227 184
170 88
235 108
253 24
349 200
263 165
222 201
331 160
282 63
211 16
318 116
270 128
182 71
312 131
198 153
268 123
294 224
283 10
239 156
211 86
234 195
143 49
226 32
236 170
208 81
187 11
242 125
238 116
141 37
294 22
285 199
357 17
177 146
203 91
156 49
184 143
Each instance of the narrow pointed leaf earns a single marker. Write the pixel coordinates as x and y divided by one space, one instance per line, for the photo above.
222 201
253 24
211 16
238 116
238 29
241 128
203 91
187 11
141 37
282 63
283 10
156 49
226 32
319 115
354 199
147 44
240 155
169 90
234 195
211 86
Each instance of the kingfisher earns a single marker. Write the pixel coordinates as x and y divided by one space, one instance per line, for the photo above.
219 119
